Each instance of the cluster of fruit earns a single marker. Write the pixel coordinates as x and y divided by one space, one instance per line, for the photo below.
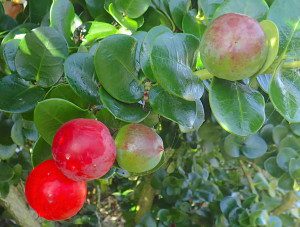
83 150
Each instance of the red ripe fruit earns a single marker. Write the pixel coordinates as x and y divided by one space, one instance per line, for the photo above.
52 195
83 149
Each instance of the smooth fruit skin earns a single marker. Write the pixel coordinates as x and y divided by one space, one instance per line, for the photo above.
234 47
139 148
83 149
52 195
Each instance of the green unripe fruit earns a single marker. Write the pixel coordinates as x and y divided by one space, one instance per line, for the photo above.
139 148
234 47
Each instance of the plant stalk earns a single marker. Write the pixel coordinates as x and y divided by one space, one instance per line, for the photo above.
16 205
288 202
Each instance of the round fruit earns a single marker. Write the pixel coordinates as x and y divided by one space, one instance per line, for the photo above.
52 195
139 148
234 47
83 149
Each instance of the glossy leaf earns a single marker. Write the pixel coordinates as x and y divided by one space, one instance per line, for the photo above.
50 114
132 8
37 10
238 108
285 94
295 128
146 48
8 151
133 113
173 57
178 8
285 14
18 32
6 172
62 15
41 55
284 156
286 182
257 9
125 21
294 168
209 7
17 96
116 68
227 204
272 34
98 30
192 24
64 91
80 72
187 114
96 8
254 146
264 81
41 152
272 167
9 53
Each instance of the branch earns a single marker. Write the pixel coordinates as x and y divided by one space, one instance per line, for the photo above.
288 202
248 176
16 205
146 199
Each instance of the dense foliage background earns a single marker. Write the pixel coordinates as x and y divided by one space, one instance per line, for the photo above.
232 149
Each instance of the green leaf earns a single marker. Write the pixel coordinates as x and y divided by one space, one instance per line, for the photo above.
286 182
50 114
41 152
192 24
132 8
173 57
254 146
294 168
109 120
284 156
98 30
209 7
7 23
6 172
133 113
62 15
116 68
279 132
38 10
271 166
64 91
4 189
178 8
40 56
232 145
9 53
286 16
227 205
17 96
96 8
18 32
7 152
285 94
17 133
291 142
5 125
264 81
237 108
146 48
295 128
80 73
272 34
187 114
123 20
257 9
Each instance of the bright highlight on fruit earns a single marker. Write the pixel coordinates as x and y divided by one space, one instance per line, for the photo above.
52 195
139 148
234 47
83 149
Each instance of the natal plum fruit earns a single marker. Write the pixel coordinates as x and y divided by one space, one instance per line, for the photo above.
51 194
83 149
139 148
233 47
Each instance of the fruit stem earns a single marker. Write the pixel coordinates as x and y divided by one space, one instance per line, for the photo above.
15 203
146 199
203 74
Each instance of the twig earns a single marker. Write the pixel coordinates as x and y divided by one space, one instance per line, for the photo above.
249 178
288 202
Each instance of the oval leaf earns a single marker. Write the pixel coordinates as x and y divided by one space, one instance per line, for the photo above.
116 68
133 113
238 108
41 152
41 55
50 114
132 8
